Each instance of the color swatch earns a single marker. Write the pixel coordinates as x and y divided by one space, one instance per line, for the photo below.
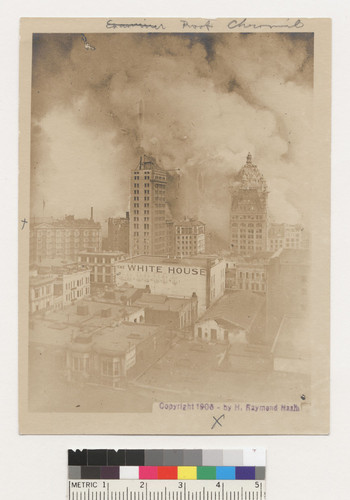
246 464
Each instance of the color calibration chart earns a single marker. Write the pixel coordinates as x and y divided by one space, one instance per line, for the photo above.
237 474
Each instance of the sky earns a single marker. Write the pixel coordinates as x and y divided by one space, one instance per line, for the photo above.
198 103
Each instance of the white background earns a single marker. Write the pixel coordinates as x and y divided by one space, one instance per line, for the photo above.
299 467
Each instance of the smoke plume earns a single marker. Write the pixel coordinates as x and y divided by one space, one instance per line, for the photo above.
198 103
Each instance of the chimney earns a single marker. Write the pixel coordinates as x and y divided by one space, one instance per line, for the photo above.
92 213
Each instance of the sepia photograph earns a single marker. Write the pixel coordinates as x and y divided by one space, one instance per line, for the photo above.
174 233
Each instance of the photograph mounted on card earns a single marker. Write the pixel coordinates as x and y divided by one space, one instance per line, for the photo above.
174 226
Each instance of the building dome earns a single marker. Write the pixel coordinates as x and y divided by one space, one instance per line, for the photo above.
250 177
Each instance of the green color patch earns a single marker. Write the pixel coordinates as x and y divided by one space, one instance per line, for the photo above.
206 472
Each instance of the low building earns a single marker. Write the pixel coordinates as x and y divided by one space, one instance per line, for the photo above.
189 237
118 233
73 285
63 238
202 275
247 272
89 314
170 311
41 292
286 236
102 265
72 281
115 354
238 317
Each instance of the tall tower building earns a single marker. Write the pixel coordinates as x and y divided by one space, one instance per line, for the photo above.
248 221
148 232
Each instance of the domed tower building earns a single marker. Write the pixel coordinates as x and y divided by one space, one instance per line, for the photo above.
248 221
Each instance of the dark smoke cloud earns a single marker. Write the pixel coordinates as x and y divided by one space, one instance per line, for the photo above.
207 101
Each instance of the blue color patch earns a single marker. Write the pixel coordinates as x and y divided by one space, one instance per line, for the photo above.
245 472
225 473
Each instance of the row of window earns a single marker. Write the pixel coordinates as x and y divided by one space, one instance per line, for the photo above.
43 290
248 217
65 232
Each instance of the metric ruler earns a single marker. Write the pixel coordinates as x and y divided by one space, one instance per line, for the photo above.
166 474
166 490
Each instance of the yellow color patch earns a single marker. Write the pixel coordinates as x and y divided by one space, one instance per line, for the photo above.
187 472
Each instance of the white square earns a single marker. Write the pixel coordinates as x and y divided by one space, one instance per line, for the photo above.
232 457
254 456
128 472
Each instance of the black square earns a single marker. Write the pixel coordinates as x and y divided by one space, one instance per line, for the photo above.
116 457
97 457
77 457
135 457
90 472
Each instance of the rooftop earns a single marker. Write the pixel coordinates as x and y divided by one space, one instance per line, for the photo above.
188 223
250 177
97 314
197 260
119 339
237 308
104 253
109 340
41 280
161 302
67 223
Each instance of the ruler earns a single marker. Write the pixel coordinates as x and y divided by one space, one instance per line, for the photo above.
166 490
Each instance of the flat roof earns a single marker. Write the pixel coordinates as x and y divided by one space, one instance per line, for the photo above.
69 315
161 302
51 334
41 279
102 252
197 260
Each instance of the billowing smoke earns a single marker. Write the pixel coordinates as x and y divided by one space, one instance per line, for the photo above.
196 103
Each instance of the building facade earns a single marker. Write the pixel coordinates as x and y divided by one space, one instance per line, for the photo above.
247 273
172 312
287 287
148 231
202 275
64 238
72 285
115 354
102 265
41 293
189 238
237 318
286 236
118 233
248 218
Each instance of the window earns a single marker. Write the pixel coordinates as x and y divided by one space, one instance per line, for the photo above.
199 332
79 364
110 367
213 334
